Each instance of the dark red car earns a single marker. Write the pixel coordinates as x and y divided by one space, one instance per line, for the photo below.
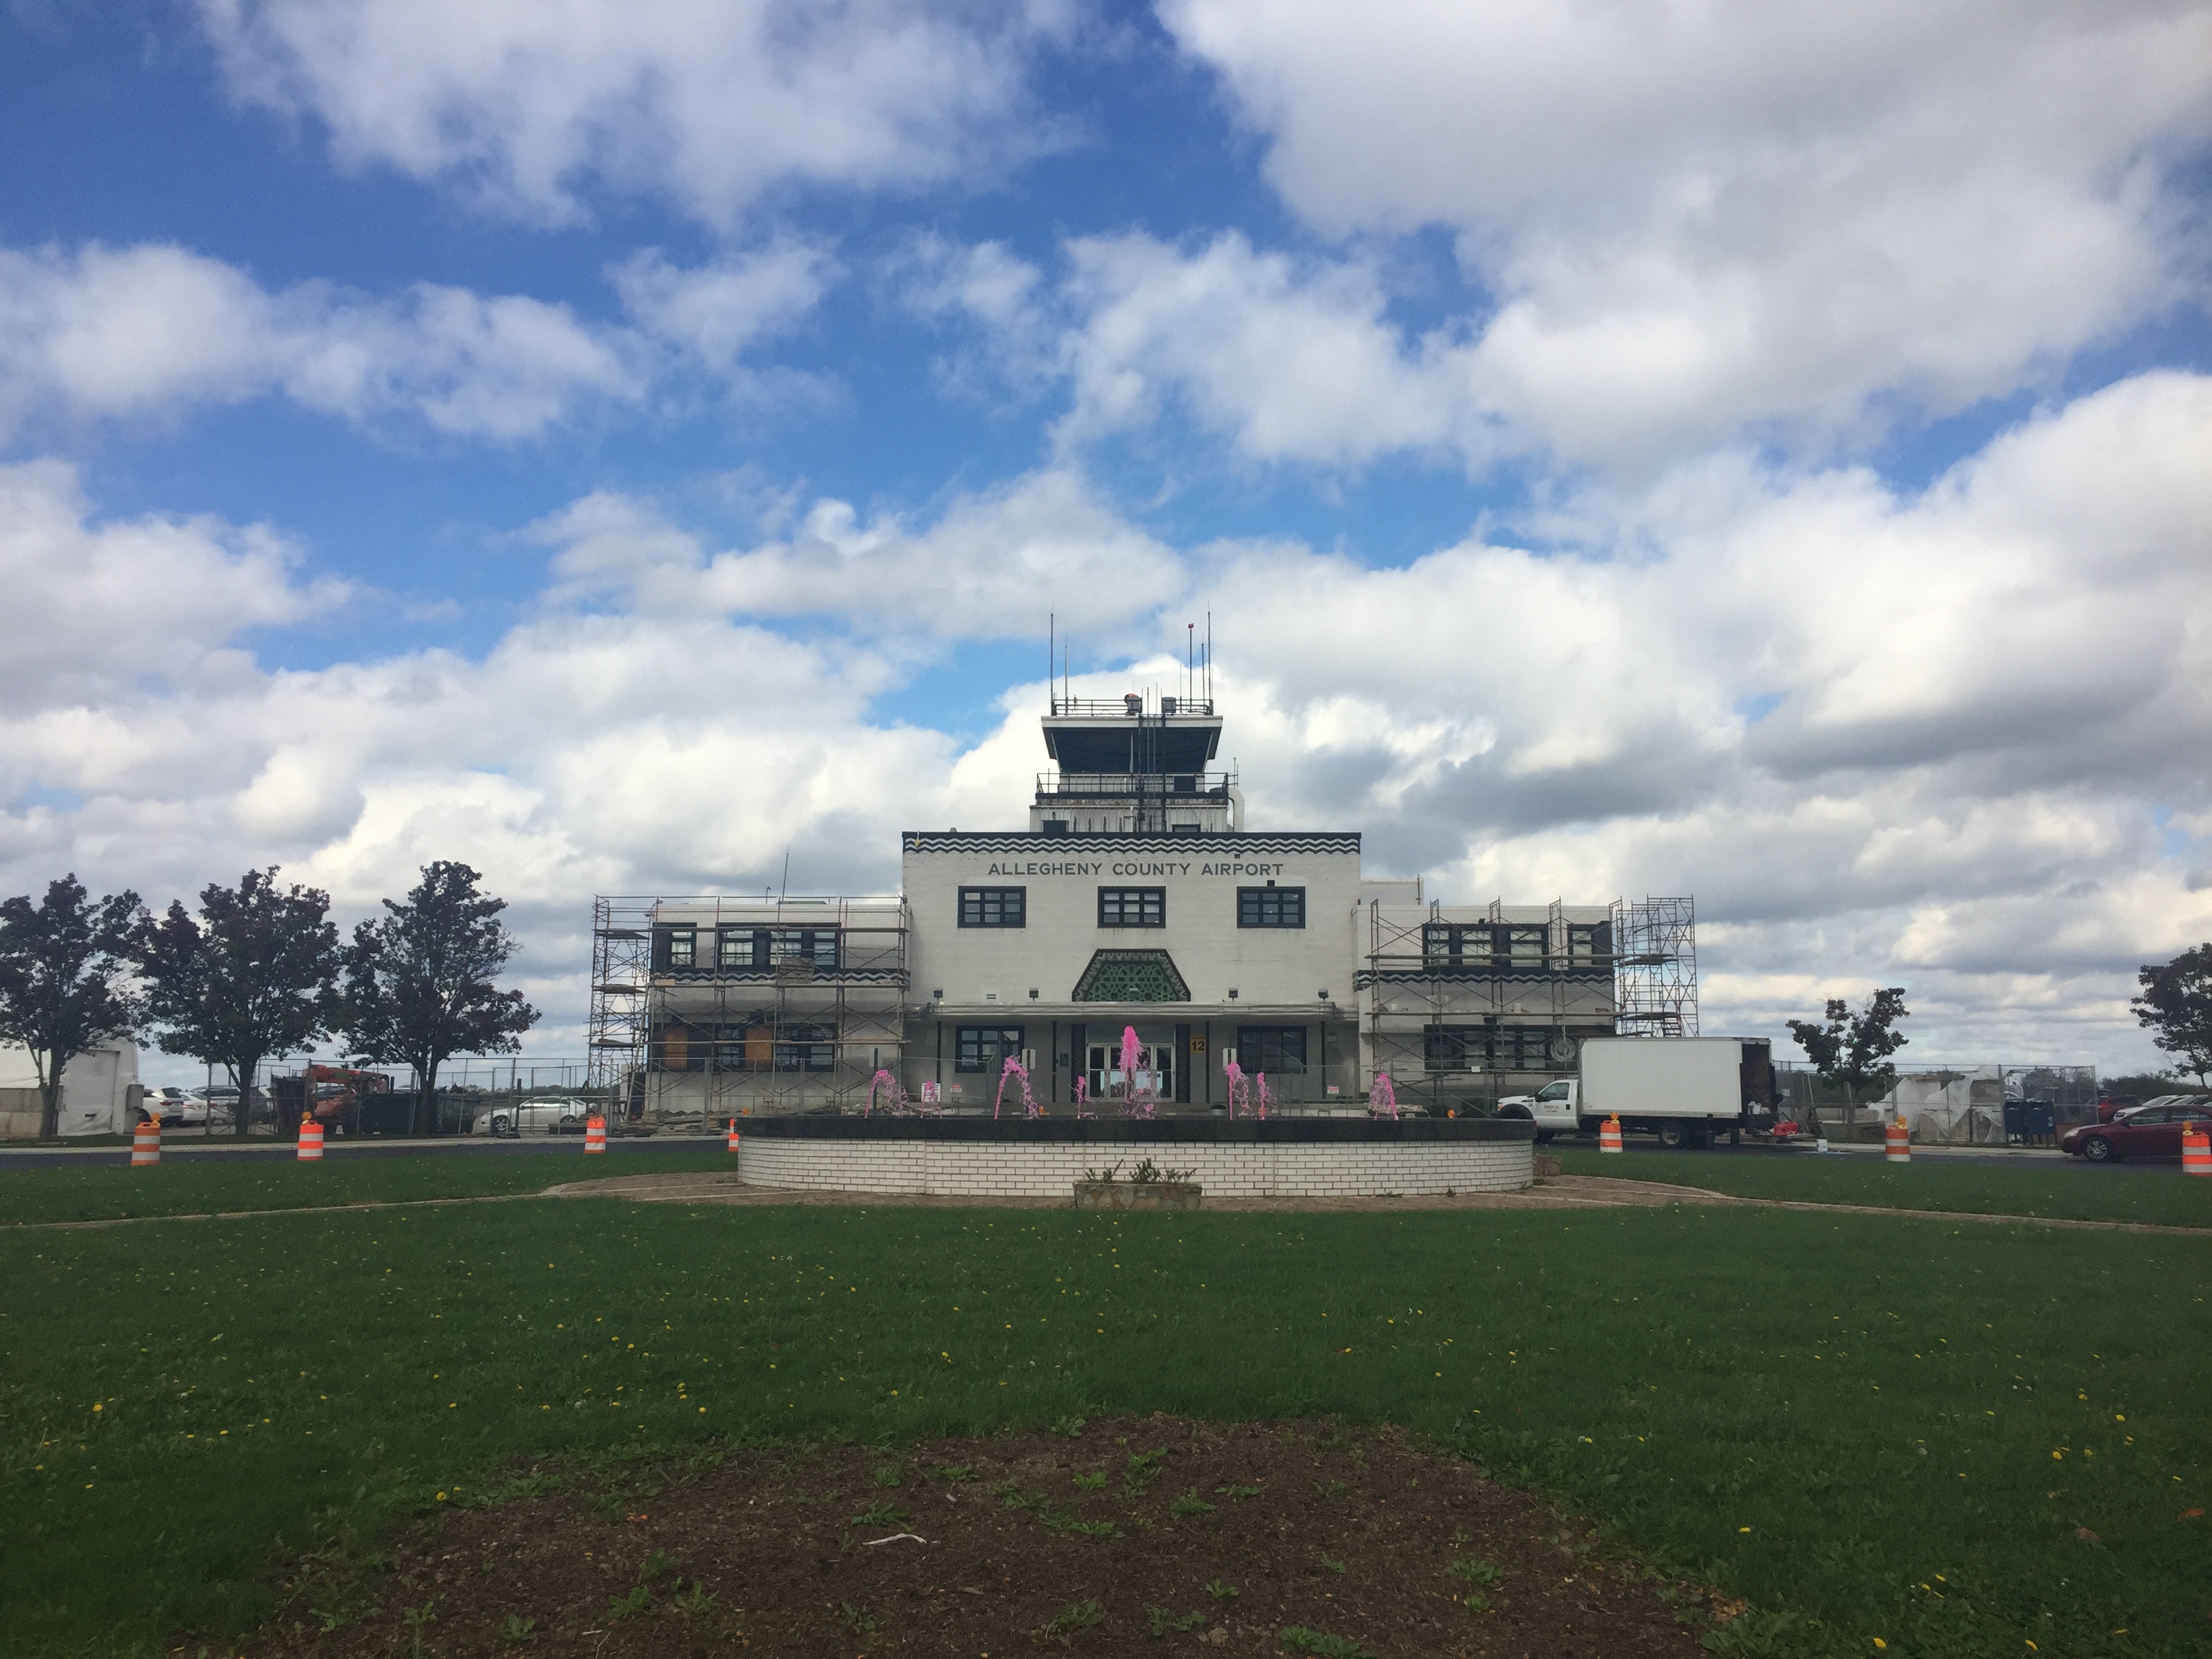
2153 1131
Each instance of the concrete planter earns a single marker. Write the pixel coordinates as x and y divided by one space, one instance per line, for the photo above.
1138 1195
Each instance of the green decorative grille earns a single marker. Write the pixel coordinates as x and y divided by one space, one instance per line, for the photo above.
1131 976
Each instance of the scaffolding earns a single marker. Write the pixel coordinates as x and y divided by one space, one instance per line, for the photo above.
712 1007
1463 1004
1656 968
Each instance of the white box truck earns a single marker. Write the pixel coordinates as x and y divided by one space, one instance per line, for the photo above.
1684 1090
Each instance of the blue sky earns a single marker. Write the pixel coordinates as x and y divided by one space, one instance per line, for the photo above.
1645 450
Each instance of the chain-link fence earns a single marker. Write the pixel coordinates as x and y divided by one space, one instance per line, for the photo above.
1958 1105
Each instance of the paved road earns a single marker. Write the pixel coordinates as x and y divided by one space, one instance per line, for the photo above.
193 1148
345 1149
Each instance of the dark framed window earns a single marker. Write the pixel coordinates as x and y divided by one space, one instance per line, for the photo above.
1454 1048
806 1048
995 907
816 945
1456 945
1133 907
737 948
1277 1050
1589 946
678 947
986 1048
1271 906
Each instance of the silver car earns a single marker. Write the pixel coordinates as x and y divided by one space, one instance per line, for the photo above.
550 1117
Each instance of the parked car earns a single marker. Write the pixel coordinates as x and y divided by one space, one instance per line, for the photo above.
2110 1106
2152 1131
552 1117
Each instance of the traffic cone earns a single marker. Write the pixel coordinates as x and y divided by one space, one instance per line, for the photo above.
1897 1141
734 1136
146 1143
310 1140
2196 1150
595 1134
1609 1135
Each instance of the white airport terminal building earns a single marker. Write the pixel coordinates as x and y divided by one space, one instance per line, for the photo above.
1135 896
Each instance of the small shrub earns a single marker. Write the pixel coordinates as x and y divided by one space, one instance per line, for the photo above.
1093 1481
1190 1504
1076 1615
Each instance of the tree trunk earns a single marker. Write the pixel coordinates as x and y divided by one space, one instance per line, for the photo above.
50 1097
242 1070
430 1092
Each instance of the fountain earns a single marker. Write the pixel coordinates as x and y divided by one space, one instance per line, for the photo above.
1250 1091
1142 1099
896 1102
1382 1098
1014 1069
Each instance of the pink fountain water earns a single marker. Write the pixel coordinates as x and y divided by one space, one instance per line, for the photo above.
1014 1069
1240 1088
1083 1096
1143 1100
895 1102
1260 1092
1382 1098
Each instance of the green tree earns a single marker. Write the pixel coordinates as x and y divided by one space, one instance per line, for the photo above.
418 982
1851 1051
2176 1005
62 962
253 977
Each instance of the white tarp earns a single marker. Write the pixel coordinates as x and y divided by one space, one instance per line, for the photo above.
1955 1109
99 1094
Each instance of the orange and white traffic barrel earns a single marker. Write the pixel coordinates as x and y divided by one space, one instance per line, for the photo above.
1897 1139
310 1140
2196 1150
146 1142
1609 1135
734 1136
595 1134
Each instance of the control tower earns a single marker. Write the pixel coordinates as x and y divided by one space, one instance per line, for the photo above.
1134 765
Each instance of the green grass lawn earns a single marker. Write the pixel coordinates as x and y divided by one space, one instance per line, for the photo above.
202 1187
2067 1190
1871 1427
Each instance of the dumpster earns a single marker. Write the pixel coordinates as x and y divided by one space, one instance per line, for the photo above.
2030 1123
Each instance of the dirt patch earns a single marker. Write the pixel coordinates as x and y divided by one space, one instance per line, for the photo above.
1134 1535
1552 1193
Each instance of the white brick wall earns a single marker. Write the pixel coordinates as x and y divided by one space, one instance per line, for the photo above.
1049 1170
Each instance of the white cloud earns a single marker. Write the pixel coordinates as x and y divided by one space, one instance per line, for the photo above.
1949 738
1692 218
148 331
992 566
717 310
97 607
710 103
145 332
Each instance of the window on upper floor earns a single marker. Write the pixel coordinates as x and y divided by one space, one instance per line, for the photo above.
1590 945
816 945
737 948
1133 907
993 906
677 948
1271 906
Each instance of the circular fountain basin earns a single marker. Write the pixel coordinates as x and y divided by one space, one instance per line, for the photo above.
1045 1157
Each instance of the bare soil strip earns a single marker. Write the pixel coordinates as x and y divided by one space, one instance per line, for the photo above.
1126 1536
1550 1193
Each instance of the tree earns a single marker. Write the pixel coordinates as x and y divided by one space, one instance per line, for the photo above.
59 964
1852 1051
2176 1004
418 981
253 978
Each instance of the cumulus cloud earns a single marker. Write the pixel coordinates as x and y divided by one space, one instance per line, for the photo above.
101 606
1950 737
707 103
148 331
1693 218
991 566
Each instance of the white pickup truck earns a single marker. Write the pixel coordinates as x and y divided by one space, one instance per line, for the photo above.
1684 1090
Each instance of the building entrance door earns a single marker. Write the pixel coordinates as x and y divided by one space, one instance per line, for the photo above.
1156 1064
